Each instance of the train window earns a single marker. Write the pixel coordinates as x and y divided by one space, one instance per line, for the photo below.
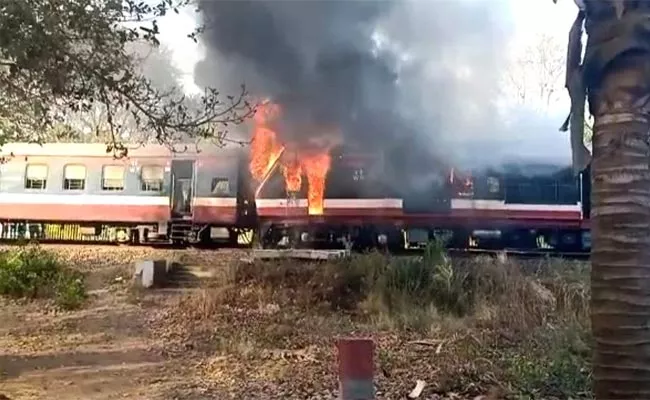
220 186
152 178
493 184
74 177
36 176
113 177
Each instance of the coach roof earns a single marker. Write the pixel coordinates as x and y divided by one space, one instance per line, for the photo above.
99 150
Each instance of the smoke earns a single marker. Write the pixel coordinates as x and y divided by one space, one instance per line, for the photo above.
156 63
415 80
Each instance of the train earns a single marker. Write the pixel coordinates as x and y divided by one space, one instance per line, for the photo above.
204 195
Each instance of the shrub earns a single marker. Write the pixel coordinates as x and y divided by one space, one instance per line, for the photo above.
402 285
31 272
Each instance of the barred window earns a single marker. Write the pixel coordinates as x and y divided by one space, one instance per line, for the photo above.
152 178
36 176
113 177
74 177
493 184
220 186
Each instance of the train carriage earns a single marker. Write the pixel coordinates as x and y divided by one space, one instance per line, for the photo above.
74 191
524 205
64 191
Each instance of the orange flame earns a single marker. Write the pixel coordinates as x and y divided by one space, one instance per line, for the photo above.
292 175
265 148
316 167
266 151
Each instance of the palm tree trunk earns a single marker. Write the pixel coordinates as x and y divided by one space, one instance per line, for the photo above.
620 280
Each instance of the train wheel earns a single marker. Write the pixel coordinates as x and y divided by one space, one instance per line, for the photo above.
460 239
521 239
569 241
122 236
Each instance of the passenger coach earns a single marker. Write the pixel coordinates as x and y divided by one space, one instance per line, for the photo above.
75 191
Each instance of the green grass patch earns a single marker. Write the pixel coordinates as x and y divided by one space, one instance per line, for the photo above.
31 272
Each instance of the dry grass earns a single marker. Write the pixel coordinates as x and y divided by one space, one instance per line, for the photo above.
466 327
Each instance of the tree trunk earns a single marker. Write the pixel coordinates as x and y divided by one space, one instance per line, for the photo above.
620 280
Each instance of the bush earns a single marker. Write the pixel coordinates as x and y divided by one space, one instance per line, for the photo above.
31 272
405 287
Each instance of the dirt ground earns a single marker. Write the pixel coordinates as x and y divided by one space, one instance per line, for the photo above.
107 350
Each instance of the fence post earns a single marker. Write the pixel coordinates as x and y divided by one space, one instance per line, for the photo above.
356 369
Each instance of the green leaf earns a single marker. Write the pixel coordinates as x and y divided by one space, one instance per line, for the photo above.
65 58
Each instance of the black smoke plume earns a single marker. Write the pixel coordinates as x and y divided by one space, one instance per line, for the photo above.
414 80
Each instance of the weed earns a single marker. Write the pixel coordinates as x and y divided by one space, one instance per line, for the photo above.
27 272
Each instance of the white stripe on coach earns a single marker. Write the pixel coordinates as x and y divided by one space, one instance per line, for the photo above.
334 203
500 205
107 199
113 199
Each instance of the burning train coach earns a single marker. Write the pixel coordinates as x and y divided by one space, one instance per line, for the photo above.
269 193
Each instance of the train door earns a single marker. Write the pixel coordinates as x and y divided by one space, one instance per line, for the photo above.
182 188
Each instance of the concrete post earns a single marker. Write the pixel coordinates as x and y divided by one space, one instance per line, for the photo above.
150 273
356 369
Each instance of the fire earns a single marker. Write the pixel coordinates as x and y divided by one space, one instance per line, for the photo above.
292 172
316 167
265 147
267 151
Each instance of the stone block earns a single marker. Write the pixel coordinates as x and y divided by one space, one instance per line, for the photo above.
151 273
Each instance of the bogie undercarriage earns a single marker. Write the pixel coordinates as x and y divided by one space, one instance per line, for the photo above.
174 232
273 235
396 238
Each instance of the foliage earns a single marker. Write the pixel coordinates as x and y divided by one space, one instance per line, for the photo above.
61 56
92 125
30 272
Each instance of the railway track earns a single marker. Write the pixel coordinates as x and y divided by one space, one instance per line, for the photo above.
452 252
